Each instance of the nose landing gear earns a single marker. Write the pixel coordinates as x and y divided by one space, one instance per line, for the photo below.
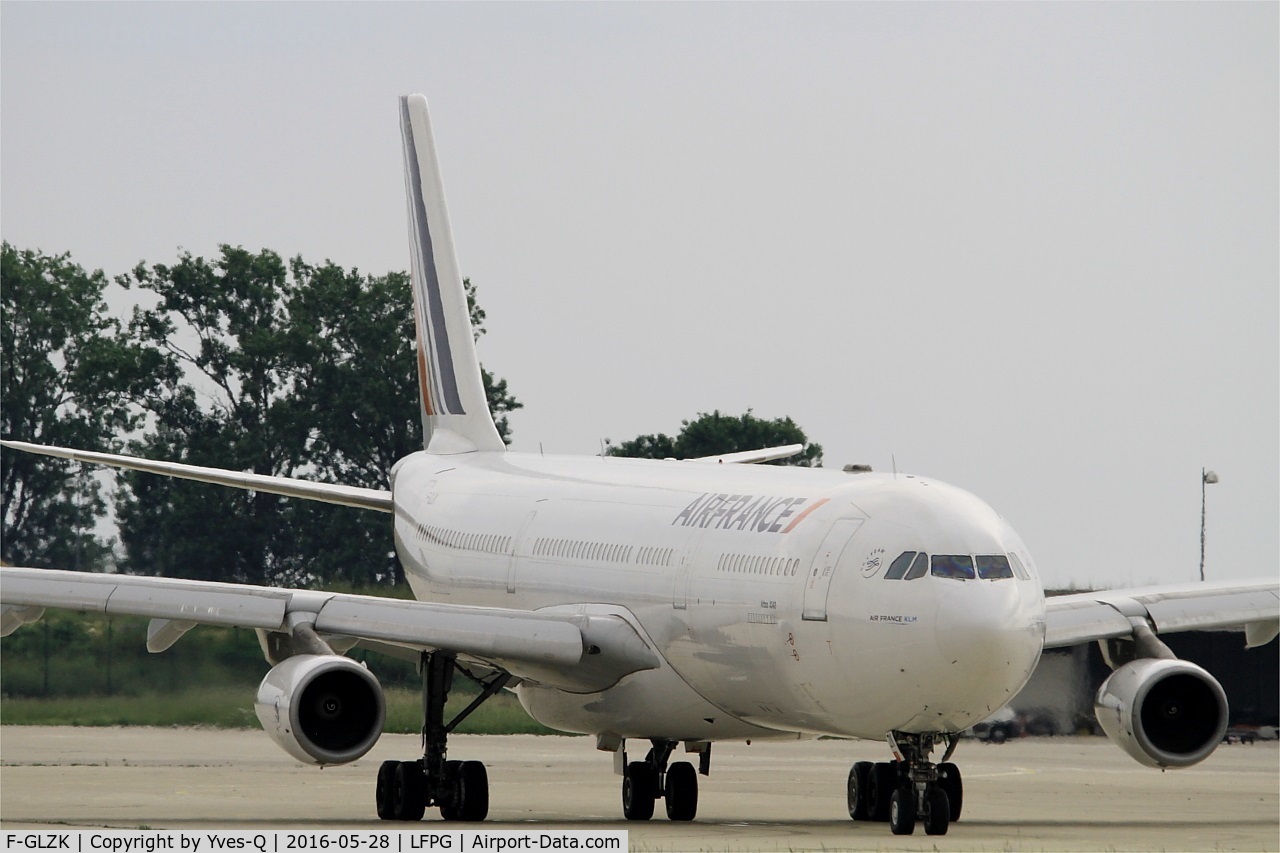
910 789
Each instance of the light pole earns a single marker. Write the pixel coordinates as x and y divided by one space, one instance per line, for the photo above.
1206 477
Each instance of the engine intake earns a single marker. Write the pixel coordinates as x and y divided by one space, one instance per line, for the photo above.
1163 712
321 709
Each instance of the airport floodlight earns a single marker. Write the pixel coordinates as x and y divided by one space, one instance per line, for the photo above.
1206 477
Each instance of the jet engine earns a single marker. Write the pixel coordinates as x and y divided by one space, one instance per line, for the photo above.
321 709
1164 712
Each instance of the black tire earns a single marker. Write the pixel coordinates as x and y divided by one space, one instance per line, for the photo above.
884 780
384 794
449 791
472 790
639 789
949 780
410 794
859 790
938 818
998 734
681 794
902 811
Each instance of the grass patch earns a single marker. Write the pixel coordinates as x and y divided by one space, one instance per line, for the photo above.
232 708
220 707
89 669
501 714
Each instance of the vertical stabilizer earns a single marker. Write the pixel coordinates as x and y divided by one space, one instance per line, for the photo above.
455 412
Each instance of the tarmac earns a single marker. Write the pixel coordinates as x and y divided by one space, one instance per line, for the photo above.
1073 793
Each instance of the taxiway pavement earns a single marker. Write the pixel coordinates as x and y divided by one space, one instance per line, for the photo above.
1034 794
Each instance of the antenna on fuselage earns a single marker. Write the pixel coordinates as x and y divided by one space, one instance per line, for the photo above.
895 465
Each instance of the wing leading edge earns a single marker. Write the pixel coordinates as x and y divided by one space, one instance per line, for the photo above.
548 647
1081 617
354 496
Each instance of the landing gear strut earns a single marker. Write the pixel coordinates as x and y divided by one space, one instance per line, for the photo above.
643 782
909 789
460 789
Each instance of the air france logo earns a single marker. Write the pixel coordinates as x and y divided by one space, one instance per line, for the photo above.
756 513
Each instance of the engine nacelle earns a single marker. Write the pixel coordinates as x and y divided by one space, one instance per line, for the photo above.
1163 712
322 709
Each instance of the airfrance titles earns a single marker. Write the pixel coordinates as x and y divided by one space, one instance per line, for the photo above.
756 513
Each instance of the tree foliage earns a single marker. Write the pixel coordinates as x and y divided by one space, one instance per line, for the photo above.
70 376
295 370
715 433
224 325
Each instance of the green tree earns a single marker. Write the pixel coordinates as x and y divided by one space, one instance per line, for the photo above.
225 325
68 374
501 403
710 434
304 371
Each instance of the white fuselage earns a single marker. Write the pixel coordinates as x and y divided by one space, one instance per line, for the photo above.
762 589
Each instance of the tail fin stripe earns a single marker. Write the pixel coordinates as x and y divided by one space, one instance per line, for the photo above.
431 318
424 372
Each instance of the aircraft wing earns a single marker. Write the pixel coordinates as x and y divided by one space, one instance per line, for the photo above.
1081 617
575 650
748 457
356 496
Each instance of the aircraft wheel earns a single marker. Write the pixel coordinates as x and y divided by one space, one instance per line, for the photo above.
449 790
409 798
472 791
385 793
902 811
681 793
858 792
939 814
949 780
884 781
639 788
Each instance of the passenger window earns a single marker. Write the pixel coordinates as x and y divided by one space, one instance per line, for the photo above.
953 566
1019 569
995 567
899 566
919 568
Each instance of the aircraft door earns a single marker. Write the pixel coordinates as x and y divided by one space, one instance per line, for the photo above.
818 583
680 594
517 548
686 559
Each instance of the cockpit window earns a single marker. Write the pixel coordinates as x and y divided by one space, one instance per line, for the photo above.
955 566
919 568
1019 569
899 566
994 567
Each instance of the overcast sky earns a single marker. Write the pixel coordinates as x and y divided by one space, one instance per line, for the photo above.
1028 249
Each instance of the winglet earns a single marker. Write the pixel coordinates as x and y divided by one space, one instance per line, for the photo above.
455 411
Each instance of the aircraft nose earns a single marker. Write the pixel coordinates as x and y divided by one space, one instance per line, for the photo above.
989 636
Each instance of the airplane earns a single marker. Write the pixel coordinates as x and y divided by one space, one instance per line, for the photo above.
657 604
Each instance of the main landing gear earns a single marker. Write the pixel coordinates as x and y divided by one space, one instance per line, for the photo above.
909 789
643 782
459 788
